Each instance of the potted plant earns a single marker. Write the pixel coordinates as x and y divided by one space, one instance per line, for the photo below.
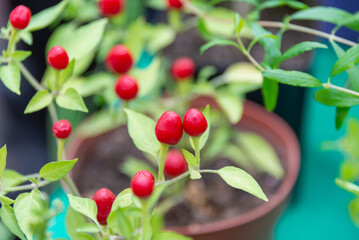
131 214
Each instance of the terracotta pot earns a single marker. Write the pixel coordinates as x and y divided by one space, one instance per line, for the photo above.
256 224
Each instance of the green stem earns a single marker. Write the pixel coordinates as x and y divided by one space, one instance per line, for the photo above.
161 162
329 85
208 171
11 41
174 180
29 77
27 186
60 149
57 80
197 151
71 185
247 54
144 218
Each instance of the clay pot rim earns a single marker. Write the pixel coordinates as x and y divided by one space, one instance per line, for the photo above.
270 120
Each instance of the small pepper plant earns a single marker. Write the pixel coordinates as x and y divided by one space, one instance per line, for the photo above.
102 32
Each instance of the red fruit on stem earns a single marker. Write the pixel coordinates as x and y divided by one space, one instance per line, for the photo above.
20 17
104 199
175 4
182 69
57 58
126 87
62 129
142 184
110 7
119 59
194 123
169 128
175 163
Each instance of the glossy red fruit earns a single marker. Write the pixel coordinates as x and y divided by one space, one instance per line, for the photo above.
126 87
110 7
57 58
142 184
183 69
175 163
104 199
175 4
62 129
20 17
119 59
194 123
169 129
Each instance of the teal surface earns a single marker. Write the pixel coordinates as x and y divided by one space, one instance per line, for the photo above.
318 209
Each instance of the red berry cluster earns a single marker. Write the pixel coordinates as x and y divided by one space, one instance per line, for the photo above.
110 7
20 17
104 199
182 69
62 129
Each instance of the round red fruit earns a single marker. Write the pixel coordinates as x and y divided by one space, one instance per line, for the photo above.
194 123
175 163
110 7
20 17
183 69
104 199
57 58
175 4
62 129
126 87
142 184
119 59
169 128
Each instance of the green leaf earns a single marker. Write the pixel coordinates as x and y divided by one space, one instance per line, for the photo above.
135 37
192 164
166 235
10 76
349 171
142 131
204 137
219 22
72 100
262 154
20 55
56 170
26 37
218 42
280 3
348 186
5 200
162 36
340 115
88 228
270 91
147 230
84 206
44 18
337 98
8 218
354 211
73 221
132 165
238 178
243 73
3 155
27 207
67 73
347 61
257 39
123 199
325 14
299 49
293 78
118 219
148 78
40 100
155 196
231 105
11 178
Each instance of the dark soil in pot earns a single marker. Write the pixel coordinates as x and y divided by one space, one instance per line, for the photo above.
206 200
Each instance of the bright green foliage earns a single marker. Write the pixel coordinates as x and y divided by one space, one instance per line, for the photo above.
39 101
56 170
10 76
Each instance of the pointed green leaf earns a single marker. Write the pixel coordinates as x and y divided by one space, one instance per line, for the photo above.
56 170
204 137
231 105
67 73
238 178
354 211
293 78
217 42
8 218
347 61
40 100
73 221
270 91
299 49
27 207
337 98
3 155
20 55
5 200
72 100
123 199
192 164
142 131
44 18
10 76
88 228
11 178
340 115
84 206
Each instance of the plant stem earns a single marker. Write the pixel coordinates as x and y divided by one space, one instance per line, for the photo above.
27 186
11 41
57 80
329 85
144 218
197 151
311 31
60 149
161 162
247 54
30 78
174 180
208 171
